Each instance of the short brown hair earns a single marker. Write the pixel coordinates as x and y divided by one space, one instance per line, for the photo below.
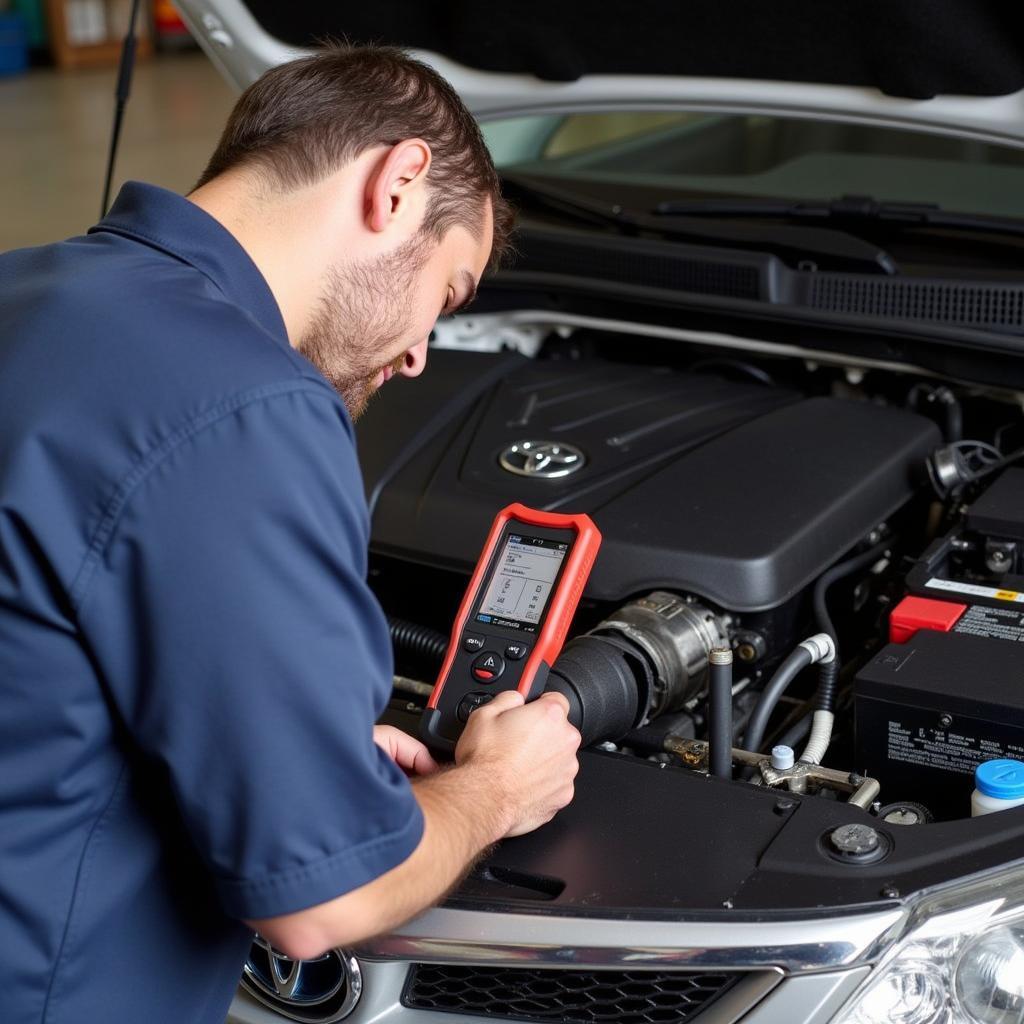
301 121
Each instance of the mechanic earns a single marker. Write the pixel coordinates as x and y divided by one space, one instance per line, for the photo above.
191 661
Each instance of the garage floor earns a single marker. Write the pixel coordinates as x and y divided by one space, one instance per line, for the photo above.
55 130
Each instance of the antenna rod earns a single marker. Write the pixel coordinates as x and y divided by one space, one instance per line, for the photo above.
124 83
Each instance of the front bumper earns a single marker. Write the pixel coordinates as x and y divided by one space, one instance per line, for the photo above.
799 971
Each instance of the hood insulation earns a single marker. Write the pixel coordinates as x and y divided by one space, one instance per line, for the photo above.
907 48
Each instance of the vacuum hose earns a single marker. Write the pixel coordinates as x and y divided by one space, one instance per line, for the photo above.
818 648
418 641
825 698
821 736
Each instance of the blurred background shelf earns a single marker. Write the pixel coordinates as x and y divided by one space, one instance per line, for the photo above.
89 33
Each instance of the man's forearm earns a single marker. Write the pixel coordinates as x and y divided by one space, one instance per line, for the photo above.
462 814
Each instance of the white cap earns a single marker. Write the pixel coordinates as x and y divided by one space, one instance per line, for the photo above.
783 758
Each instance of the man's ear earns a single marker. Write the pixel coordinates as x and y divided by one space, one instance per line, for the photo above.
398 184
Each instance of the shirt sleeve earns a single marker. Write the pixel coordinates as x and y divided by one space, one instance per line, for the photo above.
229 616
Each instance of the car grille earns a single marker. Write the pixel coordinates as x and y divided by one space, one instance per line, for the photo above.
576 997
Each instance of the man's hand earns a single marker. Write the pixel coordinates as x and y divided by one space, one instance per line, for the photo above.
408 753
527 754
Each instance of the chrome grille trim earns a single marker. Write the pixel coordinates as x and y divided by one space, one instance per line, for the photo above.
449 936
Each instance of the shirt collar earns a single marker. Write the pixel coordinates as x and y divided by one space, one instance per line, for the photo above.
167 221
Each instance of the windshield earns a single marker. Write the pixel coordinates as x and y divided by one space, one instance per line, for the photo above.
684 154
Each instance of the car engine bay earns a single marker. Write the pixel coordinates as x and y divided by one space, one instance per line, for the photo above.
839 546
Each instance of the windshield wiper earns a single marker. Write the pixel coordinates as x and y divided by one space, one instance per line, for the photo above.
803 245
846 209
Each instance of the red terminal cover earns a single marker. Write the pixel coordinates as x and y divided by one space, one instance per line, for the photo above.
914 613
548 644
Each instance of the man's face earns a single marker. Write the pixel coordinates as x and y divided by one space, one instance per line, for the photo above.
374 316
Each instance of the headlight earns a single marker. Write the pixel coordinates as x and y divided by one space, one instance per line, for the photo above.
960 961
990 977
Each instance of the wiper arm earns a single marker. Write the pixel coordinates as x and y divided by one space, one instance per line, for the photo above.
838 249
849 209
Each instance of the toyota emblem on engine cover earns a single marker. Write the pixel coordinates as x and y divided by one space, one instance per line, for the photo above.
542 460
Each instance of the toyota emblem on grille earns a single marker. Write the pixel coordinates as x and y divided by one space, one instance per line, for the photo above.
318 991
542 460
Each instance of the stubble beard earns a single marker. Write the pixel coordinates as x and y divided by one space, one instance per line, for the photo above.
363 310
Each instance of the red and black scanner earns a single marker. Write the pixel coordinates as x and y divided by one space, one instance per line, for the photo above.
514 617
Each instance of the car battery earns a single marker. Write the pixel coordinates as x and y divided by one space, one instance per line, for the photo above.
930 709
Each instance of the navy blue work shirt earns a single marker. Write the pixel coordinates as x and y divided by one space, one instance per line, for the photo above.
191 661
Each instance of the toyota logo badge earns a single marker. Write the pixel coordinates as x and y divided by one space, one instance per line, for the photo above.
319 991
542 460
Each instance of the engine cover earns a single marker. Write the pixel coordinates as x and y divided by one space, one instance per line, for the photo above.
737 492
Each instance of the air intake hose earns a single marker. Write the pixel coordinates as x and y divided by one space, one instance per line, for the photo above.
649 658
606 680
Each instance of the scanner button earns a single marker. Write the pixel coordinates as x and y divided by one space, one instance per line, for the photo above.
487 666
470 703
514 652
472 642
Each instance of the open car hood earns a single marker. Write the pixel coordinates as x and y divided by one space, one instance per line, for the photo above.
953 67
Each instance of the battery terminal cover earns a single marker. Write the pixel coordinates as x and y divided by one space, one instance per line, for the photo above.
914 613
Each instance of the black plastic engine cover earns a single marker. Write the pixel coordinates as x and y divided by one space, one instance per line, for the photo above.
738 492
647 840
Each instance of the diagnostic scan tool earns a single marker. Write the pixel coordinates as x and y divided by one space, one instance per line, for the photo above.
514 617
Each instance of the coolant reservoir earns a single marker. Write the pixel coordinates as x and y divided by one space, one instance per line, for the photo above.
998 785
